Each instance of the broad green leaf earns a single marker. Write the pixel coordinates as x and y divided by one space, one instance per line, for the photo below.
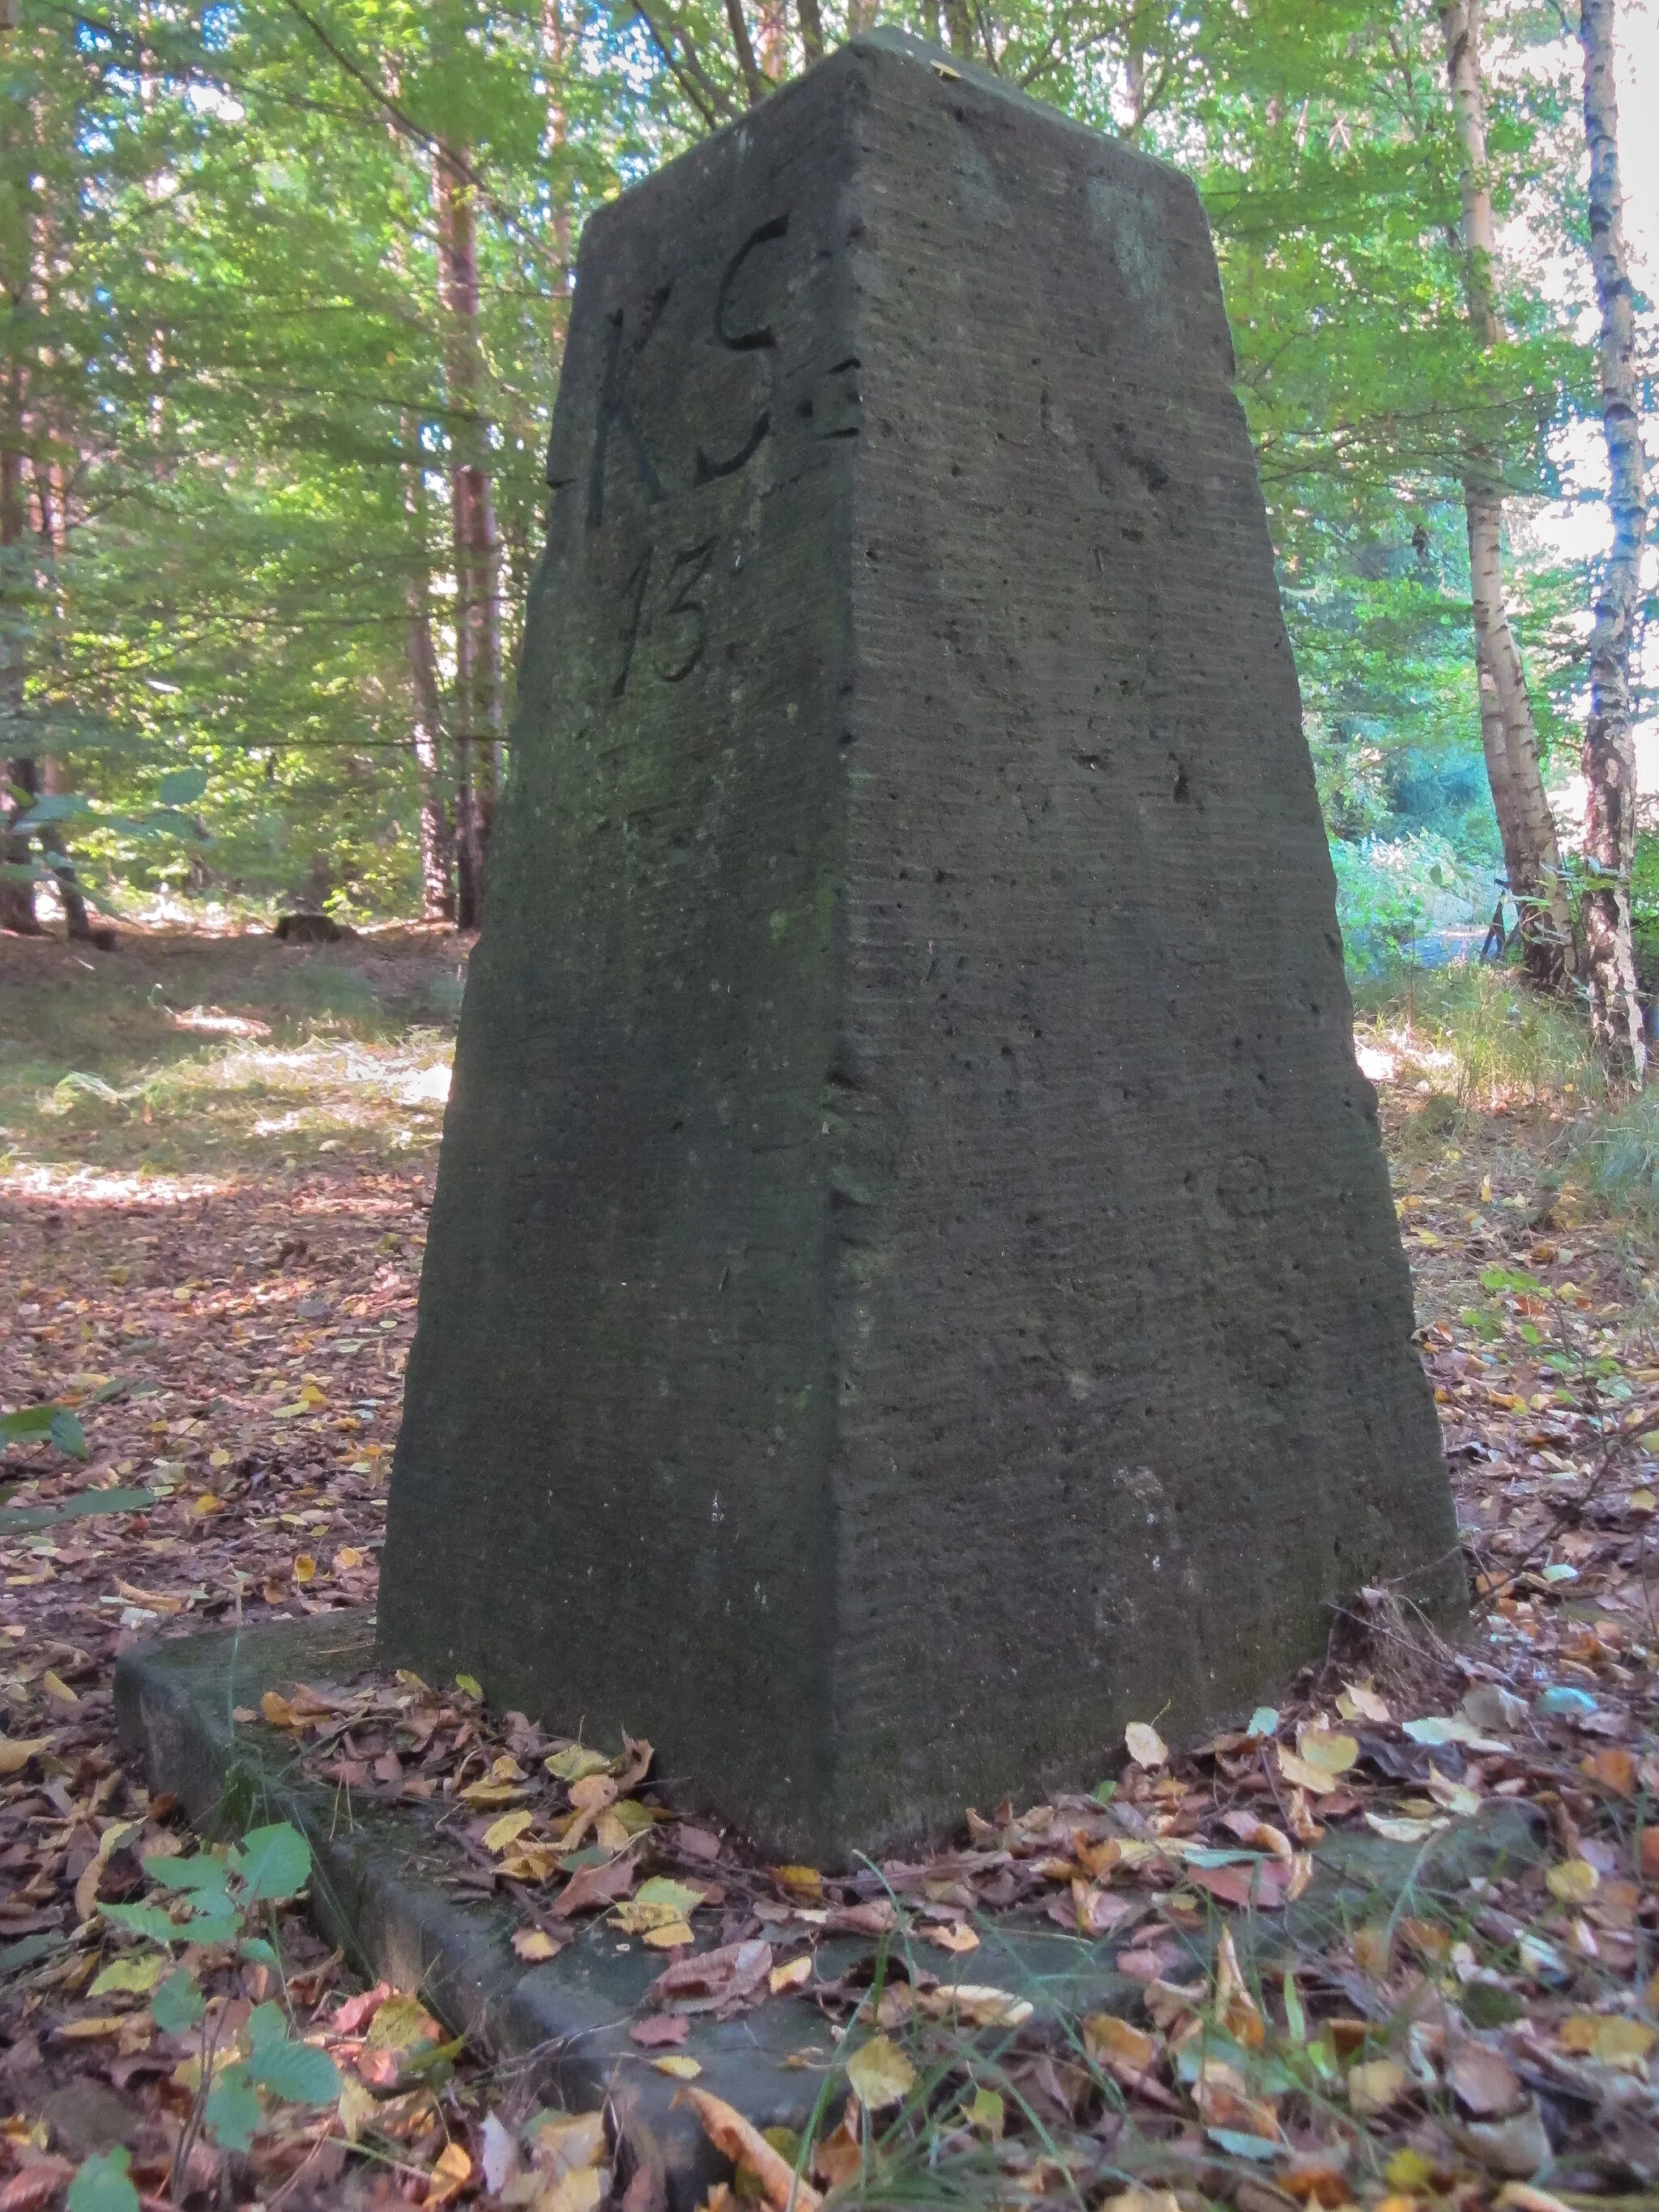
67 1433
146 1920
102 2185
232 2111
275 1862
297 2072
200 1870
177 2004
181 786
26 1421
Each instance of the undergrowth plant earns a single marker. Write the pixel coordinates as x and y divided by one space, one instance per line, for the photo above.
1480 1033
220 1896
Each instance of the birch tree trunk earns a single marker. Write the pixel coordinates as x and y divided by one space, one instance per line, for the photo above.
1509 734
1609 741
426 702
479 725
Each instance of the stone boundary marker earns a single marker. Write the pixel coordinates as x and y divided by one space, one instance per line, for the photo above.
913 1283
564 2024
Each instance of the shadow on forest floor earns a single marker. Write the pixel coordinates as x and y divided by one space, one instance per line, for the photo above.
187 1055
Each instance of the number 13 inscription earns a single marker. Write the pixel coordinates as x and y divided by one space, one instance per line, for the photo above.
679 626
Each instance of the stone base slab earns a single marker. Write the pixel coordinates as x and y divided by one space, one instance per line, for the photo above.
562 2025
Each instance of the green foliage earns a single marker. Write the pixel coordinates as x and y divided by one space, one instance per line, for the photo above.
56 1423
217 1896
1479 1034
249 393
1620 1155
102 2184
1393 896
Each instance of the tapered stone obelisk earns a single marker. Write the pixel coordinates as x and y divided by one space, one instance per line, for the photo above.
912 1283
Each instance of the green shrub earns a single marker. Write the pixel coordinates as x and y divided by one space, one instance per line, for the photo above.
1483 1035
1396 896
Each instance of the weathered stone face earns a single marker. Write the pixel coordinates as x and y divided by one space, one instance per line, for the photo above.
913 1283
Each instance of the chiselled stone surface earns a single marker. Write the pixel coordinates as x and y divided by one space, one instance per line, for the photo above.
913 1283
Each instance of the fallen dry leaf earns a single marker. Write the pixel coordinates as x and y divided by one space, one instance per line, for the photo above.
735 2138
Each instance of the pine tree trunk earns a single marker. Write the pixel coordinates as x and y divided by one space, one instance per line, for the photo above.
479 725
1508 733
1609 741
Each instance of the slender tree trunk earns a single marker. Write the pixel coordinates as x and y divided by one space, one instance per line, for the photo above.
1508 733
755 85
75 920
774 40
20 780
426 703
1609 741
557 41
479 731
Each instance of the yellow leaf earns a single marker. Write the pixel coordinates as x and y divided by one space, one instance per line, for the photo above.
1359 1702
483 1794
132 1976
533 1863
1117 2044
305 1568
669 1936
55 1686
799 1880
678 2065
986 2109
348 1556
791 1975
278 1710
580 2192
1144 1745
451 2172
206 1504
1643 1500
1574 1881
533 1943
1616 2041
1456 1797
880 2073
505 1830
1327 1749
568 2142
592 1792
218 1456
1372 1950
953 1935
468 1684
978 2003
1319 1779
1374 2086
572 1764
15 1752
89 2031
1401 1831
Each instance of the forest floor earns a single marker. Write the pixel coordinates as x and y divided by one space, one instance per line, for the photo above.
216 1161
